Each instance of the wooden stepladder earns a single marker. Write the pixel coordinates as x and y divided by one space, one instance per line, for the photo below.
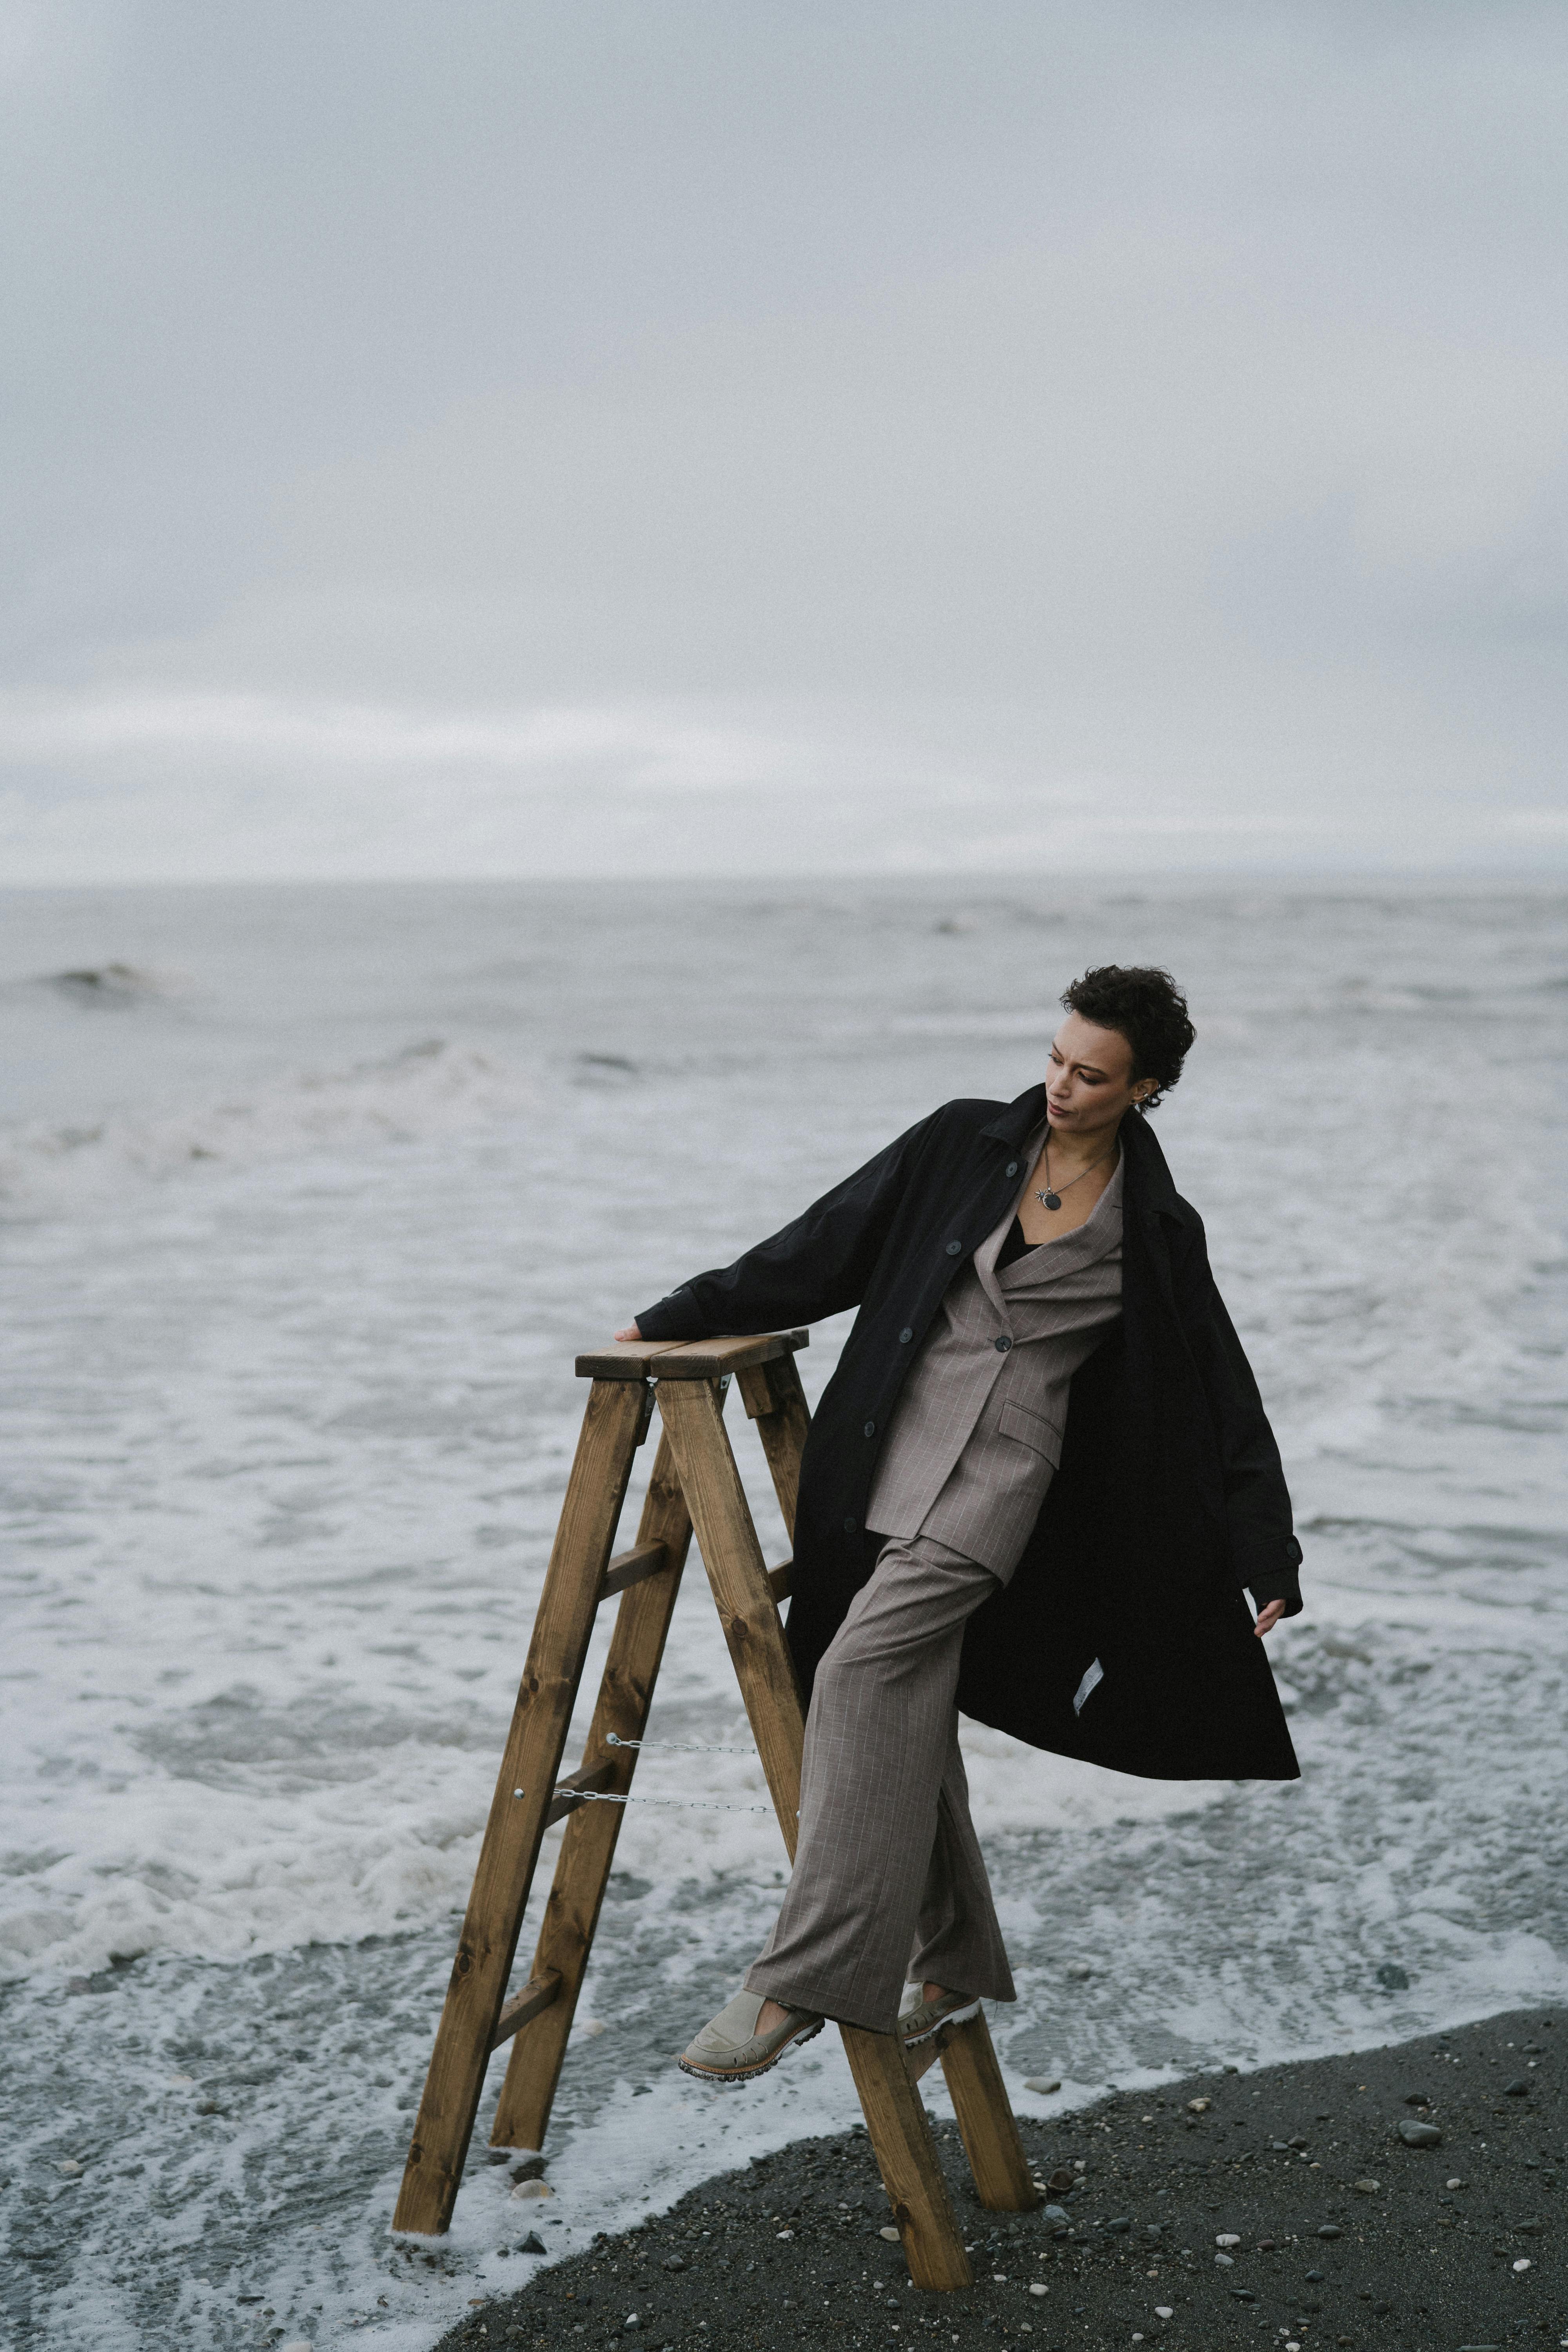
695 1484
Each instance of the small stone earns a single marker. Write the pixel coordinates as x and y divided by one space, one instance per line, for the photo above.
1416 2099
1522 2264
1518 2089
1453 2184
68 2164
891 2234
1079 1971
1119 2227
630 2320
534 2244
1330 2230
1199 2106
1299 2141
672 2262
589 2025
999 2278
1039 2083
1039 2286
1056 2218
1225 2261
526 2189
1164 2311
1391 1978
1415 2135
1313 2277
1366 2188
789 2233
1243 2295
528 2167
1230 2238
1064 2177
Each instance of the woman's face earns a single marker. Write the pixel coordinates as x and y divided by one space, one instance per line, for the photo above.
1090 1082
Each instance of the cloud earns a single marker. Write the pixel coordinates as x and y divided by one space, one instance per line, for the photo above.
875 434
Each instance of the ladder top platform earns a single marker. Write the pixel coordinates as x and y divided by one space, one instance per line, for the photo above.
686 1359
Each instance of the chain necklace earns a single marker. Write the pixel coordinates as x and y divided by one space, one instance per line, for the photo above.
1051 1198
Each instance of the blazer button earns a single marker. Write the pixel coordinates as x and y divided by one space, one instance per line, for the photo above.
870 1429
851 1527
955 1249
1012 1167
905 1336
1002 1344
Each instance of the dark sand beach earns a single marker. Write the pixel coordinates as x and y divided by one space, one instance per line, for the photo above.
1282 2207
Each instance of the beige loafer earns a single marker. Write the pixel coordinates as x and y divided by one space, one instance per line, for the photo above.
919 2022
730 2049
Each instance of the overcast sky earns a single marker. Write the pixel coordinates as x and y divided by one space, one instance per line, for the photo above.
467 438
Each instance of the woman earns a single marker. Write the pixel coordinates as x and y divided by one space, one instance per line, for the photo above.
1036 1489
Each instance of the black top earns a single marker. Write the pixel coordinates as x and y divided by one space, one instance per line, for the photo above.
1015 1246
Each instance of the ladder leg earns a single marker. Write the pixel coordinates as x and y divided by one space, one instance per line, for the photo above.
900 2133
895 2117
595 1494
985 2120
693 1417
588 1841
775 1401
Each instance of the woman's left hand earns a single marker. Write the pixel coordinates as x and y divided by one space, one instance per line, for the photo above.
1269 1618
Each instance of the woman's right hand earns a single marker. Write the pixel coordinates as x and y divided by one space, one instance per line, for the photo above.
631 1332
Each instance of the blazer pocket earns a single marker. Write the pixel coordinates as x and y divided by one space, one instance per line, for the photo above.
1033 1430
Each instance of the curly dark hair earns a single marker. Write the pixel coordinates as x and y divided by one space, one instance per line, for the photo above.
1147 1008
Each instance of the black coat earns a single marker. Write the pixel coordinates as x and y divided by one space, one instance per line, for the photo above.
1169 1499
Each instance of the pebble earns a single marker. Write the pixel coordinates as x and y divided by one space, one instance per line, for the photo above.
1225 2261
1164 2311
1230 2238
1039 2286
1330 2230
891 2234
1453 2184
532 2244
673 2263
533 2188
1199 2106
1367 2187
1420 2134
1522 2264
1518 2089
1038 2083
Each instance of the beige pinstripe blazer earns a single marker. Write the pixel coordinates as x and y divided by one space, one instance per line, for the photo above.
977 1432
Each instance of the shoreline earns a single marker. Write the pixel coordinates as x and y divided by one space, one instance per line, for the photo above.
1286 2209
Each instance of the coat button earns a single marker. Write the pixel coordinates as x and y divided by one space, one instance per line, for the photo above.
1012 1167
850 1526
955 1249
905 1336
870 1429
1002 1344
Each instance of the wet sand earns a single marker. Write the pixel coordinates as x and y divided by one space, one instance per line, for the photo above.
1281 2207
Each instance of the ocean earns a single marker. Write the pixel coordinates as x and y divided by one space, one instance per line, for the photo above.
307 1198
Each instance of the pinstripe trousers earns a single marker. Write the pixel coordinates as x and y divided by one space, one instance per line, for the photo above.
889 1883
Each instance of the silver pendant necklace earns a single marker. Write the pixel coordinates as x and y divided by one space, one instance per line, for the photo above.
1051 1198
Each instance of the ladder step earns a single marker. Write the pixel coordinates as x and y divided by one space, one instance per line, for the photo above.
779 1577
566 1796
686 1359
524 2005
632 1567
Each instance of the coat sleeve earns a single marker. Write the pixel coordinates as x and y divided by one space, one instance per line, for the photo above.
818 1265
1264 1552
